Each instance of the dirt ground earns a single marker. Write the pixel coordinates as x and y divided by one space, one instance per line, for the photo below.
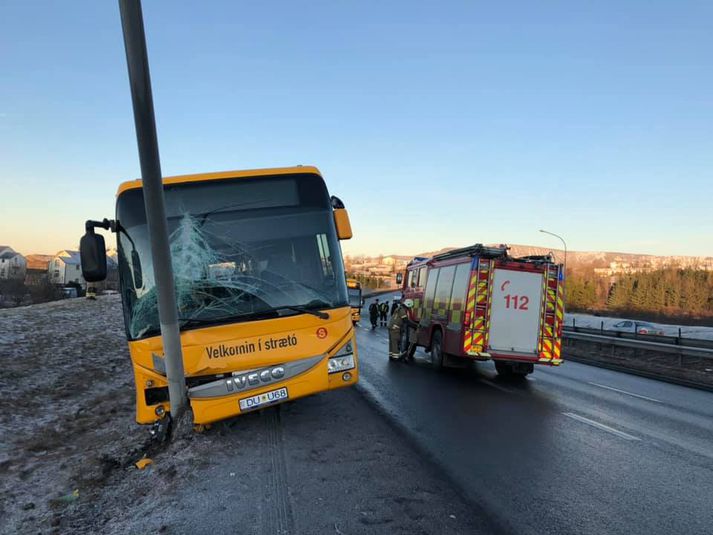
66 411
325 464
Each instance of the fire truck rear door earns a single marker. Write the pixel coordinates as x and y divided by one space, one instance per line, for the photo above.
515 311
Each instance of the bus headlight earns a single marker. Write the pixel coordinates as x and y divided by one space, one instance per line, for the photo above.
340 364
343 360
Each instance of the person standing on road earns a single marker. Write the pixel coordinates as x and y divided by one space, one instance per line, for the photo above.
374 313
411 326
384 313
394 306
399 321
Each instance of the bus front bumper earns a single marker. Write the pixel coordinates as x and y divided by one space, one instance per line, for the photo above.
269 386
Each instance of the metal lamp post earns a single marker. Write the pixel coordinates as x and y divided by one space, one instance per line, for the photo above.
564 243
137 60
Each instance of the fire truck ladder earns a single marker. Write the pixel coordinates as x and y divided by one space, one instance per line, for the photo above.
475 342
472 250
552 317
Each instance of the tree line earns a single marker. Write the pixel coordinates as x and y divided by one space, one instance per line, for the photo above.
665 292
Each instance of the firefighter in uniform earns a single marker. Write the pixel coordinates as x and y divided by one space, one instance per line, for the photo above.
91 292
384 312
374 313
412 336
399 321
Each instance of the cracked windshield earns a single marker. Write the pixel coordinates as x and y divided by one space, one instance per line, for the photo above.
241 249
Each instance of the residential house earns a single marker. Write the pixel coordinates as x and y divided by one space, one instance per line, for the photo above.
37 269
12 264
65 267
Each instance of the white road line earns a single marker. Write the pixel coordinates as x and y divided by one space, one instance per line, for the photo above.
627 393
498 387
603 427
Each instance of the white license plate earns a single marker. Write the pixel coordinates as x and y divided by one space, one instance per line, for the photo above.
266 398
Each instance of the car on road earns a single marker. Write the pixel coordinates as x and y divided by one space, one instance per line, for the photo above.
69 292
638 327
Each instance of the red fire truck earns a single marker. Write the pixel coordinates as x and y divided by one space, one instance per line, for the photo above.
479 303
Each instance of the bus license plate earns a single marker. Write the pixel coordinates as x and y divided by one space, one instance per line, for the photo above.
266 398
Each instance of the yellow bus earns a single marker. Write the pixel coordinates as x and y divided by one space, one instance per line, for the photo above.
262 300
354 292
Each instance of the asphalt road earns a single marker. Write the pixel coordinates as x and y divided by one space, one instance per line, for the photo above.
574 449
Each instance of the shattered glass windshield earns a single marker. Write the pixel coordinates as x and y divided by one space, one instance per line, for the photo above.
242 249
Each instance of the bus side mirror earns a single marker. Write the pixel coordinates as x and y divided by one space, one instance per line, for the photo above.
399 278
92 253
344 227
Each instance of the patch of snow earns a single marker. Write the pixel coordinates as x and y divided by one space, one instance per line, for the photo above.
595 322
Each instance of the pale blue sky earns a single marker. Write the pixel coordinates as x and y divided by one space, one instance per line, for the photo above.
438 123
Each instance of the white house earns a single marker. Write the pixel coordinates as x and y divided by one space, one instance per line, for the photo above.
12 264
65 267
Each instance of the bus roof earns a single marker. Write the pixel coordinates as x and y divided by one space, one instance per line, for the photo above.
221 175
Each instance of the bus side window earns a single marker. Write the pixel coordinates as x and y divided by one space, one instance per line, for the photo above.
324 256
410 282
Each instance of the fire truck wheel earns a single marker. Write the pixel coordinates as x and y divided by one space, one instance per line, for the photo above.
504 369
514 370
437 350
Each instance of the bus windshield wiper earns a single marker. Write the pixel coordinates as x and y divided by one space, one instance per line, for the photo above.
228 207
304 310
262 314
259 314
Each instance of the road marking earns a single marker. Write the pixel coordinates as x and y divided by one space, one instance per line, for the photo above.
603 427
627 393
501 388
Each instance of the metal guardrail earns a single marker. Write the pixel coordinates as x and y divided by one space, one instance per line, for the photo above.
671 340
371 292
671 344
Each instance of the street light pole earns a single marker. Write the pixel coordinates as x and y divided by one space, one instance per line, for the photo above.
563 243
140 81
